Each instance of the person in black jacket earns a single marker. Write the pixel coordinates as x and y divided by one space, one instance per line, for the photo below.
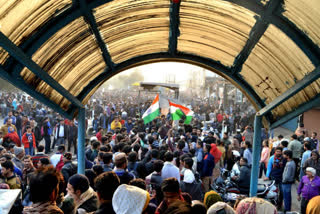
106 184
85 199
121 163
72 136
36 130
69 168
243 180
46 131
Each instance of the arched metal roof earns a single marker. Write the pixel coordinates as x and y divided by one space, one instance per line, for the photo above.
61 51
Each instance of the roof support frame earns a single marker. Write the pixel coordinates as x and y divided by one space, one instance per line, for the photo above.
18 54
32 44
300 85
256 33
89 17
296 112
20 83
174 31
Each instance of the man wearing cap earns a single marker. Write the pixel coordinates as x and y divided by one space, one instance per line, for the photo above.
19 154
68 168
309 187
121 163
85 199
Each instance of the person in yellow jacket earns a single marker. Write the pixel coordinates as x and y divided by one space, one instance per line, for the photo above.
10 177
115 124
6 126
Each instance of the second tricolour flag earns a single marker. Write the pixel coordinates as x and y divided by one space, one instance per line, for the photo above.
177 112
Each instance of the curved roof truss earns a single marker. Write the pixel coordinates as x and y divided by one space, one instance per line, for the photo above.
64 50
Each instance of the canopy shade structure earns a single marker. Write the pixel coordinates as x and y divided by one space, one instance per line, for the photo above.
62 51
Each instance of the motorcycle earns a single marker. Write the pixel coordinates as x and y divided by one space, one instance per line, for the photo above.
230 192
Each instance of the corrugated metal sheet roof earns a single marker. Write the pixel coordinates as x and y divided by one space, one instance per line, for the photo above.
264 47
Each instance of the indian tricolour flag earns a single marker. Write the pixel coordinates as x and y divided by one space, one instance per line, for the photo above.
152 112
177 112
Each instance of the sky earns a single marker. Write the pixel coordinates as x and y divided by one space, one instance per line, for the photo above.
175 72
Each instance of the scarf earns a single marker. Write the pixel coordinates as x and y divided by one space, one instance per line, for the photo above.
255 206
84 197
215 152
43 207
277 162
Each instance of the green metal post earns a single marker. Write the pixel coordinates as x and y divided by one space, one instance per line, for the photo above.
256 155
81 140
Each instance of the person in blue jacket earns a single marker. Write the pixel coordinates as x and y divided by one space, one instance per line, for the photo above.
207 167
275 170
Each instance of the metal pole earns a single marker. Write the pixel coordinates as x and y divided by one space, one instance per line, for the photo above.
81 140
256 155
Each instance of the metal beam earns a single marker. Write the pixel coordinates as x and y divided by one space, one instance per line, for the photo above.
21 84
256 33
34 42
256 151
296 112
18 54
174 32
81 140
300 85
165 56
299 37
87 13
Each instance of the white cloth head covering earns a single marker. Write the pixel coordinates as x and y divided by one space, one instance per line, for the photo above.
188 176
129 199
219 206
312 170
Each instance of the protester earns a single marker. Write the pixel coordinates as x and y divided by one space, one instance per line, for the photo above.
85 199
313 161
29 141
43 192
40 154
265 155
121 163
136 200
10 177
309 187
220 207
313 206
207 167
169 169
68 168
106 184
288 179
255 205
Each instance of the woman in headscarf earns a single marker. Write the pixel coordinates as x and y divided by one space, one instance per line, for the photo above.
210 198
218 207
217 154
255 206
314 206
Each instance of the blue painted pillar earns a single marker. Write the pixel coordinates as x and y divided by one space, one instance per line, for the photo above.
256 155
81 140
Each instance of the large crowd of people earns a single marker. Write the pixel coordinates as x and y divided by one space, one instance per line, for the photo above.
162 167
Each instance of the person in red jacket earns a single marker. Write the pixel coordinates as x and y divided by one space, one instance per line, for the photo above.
29 141
12 136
